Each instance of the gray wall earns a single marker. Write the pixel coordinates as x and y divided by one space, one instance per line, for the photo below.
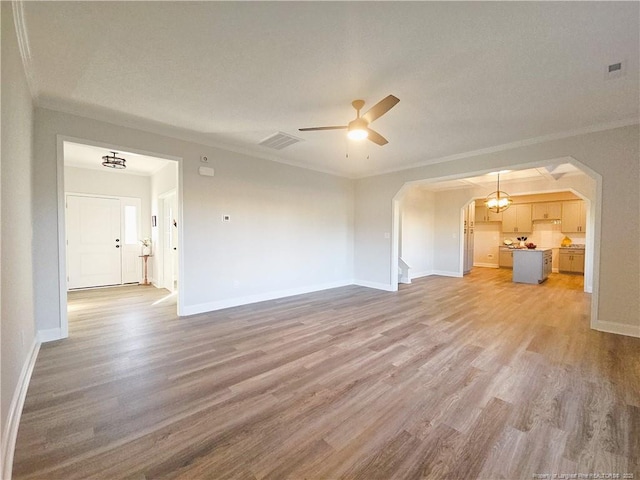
16 296
417 210
291 229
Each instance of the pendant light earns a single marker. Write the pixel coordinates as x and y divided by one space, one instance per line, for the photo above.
114 162
498 201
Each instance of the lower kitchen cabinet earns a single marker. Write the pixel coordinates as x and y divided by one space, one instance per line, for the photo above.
505 258
531 266
571 260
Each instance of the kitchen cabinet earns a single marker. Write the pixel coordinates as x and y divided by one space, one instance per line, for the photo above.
531 266
574 217
517 219
571 260
505 258
546 211
483 215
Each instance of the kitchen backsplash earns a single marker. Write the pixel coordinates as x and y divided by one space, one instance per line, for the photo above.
546 235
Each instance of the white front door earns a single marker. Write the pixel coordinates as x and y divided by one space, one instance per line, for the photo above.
93 241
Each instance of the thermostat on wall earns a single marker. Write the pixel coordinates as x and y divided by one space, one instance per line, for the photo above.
206 171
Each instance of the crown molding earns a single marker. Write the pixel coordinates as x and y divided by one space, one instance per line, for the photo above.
23 45
625 122
142 124
124 120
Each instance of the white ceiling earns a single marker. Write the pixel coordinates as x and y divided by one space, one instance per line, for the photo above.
507 177
87 156
469 75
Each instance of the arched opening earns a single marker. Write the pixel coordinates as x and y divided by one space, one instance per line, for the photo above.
447 198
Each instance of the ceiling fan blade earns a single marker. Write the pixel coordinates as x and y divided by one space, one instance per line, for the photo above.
380 108
375 137
310 129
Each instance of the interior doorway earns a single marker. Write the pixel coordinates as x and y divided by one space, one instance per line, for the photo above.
455 192
113 210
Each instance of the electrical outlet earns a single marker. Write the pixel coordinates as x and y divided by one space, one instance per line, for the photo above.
226 218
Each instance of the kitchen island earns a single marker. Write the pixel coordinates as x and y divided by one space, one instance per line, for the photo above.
531 265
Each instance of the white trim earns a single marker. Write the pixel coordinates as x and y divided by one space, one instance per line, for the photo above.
50 335
62 239
486 265
15 410
444 273
62 247
617 328
415 275
625 122
24 48
260 297
117 118
376 285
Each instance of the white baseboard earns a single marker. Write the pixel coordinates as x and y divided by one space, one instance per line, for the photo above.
50 335
618 328
377 285
419 274
15 410
444 273
486 265
261 297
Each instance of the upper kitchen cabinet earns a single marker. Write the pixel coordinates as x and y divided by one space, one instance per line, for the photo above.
574 217
483 214
547 211
517 219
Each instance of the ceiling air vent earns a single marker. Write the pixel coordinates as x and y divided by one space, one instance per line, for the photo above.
616 70
279 140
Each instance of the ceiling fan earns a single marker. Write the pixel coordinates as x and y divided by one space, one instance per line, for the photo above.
359 128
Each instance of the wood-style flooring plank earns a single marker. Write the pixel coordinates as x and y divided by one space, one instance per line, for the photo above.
453 378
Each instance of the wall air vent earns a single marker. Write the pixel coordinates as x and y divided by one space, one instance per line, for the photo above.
279 140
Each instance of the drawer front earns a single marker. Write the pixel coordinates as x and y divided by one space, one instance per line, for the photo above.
572 251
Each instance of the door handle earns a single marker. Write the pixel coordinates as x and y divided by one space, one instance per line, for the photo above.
117 246
117 239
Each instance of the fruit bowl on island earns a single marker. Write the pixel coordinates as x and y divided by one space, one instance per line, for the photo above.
531 246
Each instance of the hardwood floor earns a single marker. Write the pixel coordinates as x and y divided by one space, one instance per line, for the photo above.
456 378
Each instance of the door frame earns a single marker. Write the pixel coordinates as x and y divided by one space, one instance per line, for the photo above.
62 254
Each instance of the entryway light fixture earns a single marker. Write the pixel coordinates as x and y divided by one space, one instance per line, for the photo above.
113 161
498 201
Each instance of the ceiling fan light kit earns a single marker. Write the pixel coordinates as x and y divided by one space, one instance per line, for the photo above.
358 129
114 162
